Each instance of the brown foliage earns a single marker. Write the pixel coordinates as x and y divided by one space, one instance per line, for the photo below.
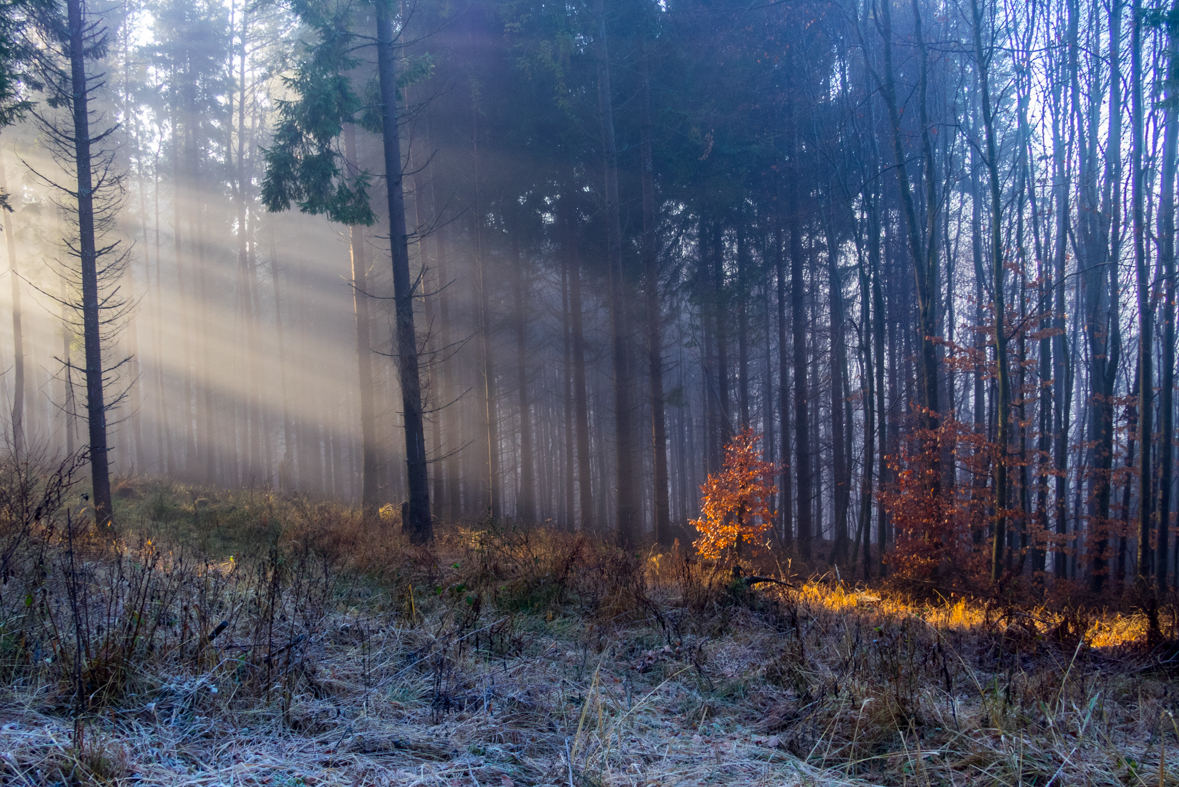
735 503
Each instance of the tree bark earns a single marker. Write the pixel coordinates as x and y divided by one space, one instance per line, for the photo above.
1102 305
628 524
88 258
661 504
1167 252
802 435
787 502
370 464
569 243
1145 304
982 60
18 340
841 474
418 525
526 497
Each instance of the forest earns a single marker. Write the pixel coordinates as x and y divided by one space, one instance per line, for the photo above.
542 262
608 392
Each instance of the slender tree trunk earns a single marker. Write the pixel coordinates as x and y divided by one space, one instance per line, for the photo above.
447 488
88 258
418 525
1118 573
569 242
18 339
370 463
1145 304
568 519
491 503
720 317
252 404
802 434
628 513
783 388
863 529
526 498
841 474
1102 312
982 61
1167 252
285 468
743 293
163 428
662 514
924 256
1062 372
184 285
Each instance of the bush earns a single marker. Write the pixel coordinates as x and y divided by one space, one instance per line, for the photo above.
735 503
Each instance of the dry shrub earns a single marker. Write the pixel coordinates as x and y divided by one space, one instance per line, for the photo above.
534 570
735 502
936 527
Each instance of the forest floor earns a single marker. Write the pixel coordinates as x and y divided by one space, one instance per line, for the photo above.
506 656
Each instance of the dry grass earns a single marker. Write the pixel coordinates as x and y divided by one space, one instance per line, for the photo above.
530 657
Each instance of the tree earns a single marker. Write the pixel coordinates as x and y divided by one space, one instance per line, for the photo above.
304 166
983 58
628 508
735 502
76 40
15 59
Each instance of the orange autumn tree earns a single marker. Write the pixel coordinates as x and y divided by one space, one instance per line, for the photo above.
735 503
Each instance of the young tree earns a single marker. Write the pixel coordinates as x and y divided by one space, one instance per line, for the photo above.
735 502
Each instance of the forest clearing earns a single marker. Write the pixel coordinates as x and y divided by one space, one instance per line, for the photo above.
250 640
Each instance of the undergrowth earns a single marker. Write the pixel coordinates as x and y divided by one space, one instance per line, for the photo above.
248 638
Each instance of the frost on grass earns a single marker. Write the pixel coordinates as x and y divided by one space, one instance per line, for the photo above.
511 657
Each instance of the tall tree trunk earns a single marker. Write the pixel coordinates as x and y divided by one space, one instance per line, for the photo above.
1062 369
628 523
802 435
841 474
1167 252
490 504
569 243
787 502
567 519
446 476
1145 302
720 316
867 392
662 514
526 497
88 258
18 339
743 294
924 255
418 525
180 198
1102 307
285 467
370 463
245 277
1003 406
163 428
